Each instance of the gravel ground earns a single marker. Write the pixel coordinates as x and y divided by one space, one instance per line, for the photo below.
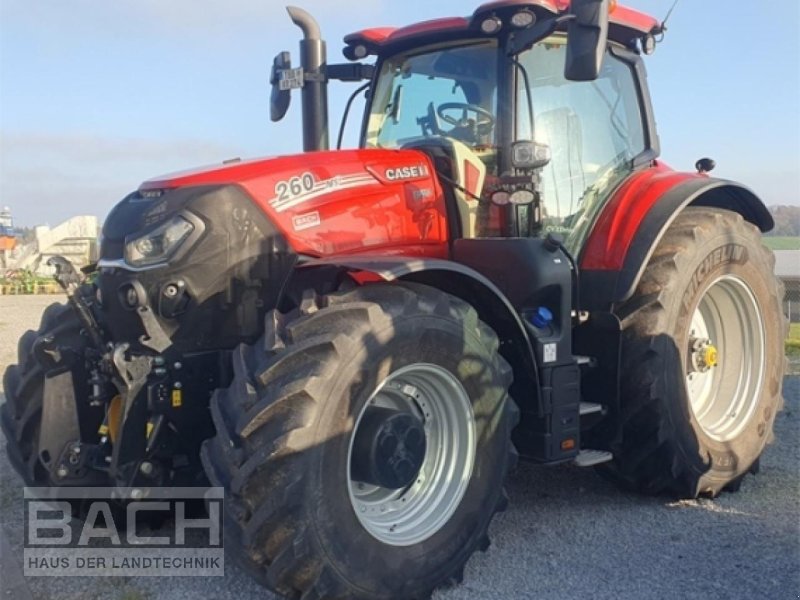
567 533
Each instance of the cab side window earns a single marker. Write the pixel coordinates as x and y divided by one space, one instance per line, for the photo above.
594 130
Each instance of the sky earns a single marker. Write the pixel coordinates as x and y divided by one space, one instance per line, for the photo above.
96 97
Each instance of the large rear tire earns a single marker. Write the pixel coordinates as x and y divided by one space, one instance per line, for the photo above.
702 359
293 432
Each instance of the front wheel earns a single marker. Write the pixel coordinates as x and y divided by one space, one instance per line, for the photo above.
702 359
21 414
363 444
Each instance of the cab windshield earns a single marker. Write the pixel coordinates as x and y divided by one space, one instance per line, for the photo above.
445 91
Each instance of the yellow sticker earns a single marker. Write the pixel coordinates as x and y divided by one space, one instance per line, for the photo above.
103 429
177 398
149 428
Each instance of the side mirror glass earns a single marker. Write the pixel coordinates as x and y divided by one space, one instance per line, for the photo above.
281 94
587 36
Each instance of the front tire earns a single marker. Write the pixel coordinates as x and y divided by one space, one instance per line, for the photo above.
702 359
21 414
290 431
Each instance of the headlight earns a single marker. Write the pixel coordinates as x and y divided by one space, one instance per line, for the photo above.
530 155
158 245
522 197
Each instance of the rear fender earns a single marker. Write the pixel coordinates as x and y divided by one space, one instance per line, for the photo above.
492 306
633 223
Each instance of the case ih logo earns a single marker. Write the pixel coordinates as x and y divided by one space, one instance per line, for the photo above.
167 533
407 173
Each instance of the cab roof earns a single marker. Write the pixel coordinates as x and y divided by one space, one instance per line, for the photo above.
626 26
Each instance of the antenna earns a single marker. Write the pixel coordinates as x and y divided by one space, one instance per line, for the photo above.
663 27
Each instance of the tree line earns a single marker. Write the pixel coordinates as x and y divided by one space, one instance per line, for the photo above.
787 221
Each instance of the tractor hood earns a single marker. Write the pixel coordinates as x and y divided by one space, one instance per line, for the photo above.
209 250
338 201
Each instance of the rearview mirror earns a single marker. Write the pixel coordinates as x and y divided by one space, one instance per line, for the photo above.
587 35
281 93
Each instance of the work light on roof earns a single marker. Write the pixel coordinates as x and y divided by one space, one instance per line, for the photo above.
523 19
649 44
491 25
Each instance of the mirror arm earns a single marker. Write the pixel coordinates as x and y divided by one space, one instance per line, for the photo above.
350 72
519 42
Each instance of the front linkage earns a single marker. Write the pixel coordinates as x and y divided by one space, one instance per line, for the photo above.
145 423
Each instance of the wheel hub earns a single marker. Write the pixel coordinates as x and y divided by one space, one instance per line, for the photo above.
425 399
709 357
705 355
389 448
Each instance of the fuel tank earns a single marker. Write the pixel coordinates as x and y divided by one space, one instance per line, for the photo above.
336 202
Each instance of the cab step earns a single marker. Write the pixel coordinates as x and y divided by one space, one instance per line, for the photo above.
588 408
590 458
589 361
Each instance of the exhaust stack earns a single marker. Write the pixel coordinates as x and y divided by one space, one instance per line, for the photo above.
313 59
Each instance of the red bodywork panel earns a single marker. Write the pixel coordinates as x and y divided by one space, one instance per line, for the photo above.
390 202
341 202
387 35
626 23
612 235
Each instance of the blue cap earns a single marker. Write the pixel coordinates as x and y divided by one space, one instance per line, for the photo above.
542 317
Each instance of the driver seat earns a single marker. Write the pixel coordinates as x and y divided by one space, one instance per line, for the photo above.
456 163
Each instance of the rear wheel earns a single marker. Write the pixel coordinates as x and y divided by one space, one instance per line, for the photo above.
363 444
702 359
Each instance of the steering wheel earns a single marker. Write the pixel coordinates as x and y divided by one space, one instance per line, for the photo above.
482 125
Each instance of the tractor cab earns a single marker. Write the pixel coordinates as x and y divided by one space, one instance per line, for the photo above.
571 142
532 114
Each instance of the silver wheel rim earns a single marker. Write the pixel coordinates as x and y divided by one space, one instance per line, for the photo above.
724 397
413 514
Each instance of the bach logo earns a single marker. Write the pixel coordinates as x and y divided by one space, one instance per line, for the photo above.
169 531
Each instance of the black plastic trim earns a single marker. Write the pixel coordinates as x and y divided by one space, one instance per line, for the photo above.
226 280
492 305
652 141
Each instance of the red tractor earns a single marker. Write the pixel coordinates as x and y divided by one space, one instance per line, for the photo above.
358 344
